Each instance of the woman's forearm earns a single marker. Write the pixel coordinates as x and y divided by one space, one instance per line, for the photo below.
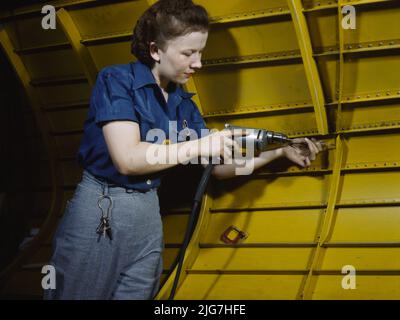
147 158
225 171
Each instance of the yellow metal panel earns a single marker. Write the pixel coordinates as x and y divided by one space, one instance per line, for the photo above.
368 287
68 93
370 74
231 7
28 32
295 124
244 40
362 258
111 53
367 225
369 187
108 18
257 287
322 26
380 115
379 23
373 149
252 259
272 192
47 64
280 84
327 67
81 52
268 226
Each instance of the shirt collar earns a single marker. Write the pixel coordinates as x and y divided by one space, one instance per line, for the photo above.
143 76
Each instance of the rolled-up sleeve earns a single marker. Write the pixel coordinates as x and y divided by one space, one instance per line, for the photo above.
113 98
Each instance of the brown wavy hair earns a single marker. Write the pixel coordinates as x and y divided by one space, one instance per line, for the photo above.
163 21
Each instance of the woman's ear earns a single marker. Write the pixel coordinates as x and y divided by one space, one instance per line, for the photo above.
154 51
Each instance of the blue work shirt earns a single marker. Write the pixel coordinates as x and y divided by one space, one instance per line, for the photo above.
130 92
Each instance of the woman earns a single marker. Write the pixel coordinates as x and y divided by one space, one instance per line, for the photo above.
109 243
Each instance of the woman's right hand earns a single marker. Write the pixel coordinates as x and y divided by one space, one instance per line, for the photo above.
219 144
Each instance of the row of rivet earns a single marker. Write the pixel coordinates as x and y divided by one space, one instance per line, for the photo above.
330 4
253 58
371 96
246 15
234 112
386 124
372 165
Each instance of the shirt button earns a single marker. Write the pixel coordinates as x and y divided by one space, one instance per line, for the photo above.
148 182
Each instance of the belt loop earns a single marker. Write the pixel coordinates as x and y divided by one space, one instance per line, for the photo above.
105 188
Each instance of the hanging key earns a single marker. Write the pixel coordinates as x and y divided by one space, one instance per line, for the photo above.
107 229
104 227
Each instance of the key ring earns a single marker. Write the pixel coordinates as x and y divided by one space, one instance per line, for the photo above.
101 208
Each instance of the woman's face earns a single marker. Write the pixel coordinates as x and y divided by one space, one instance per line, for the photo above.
181 57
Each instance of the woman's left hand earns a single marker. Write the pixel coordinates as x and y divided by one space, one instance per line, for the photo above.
303 151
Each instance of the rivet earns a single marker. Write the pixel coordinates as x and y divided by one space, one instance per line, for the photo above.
370 45
391 42
381 43
360 45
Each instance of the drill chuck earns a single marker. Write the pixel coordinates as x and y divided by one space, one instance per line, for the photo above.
259 139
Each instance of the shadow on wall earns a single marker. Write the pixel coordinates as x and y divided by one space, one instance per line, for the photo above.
17 163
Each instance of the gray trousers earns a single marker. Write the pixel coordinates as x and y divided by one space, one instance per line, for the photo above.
90 266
